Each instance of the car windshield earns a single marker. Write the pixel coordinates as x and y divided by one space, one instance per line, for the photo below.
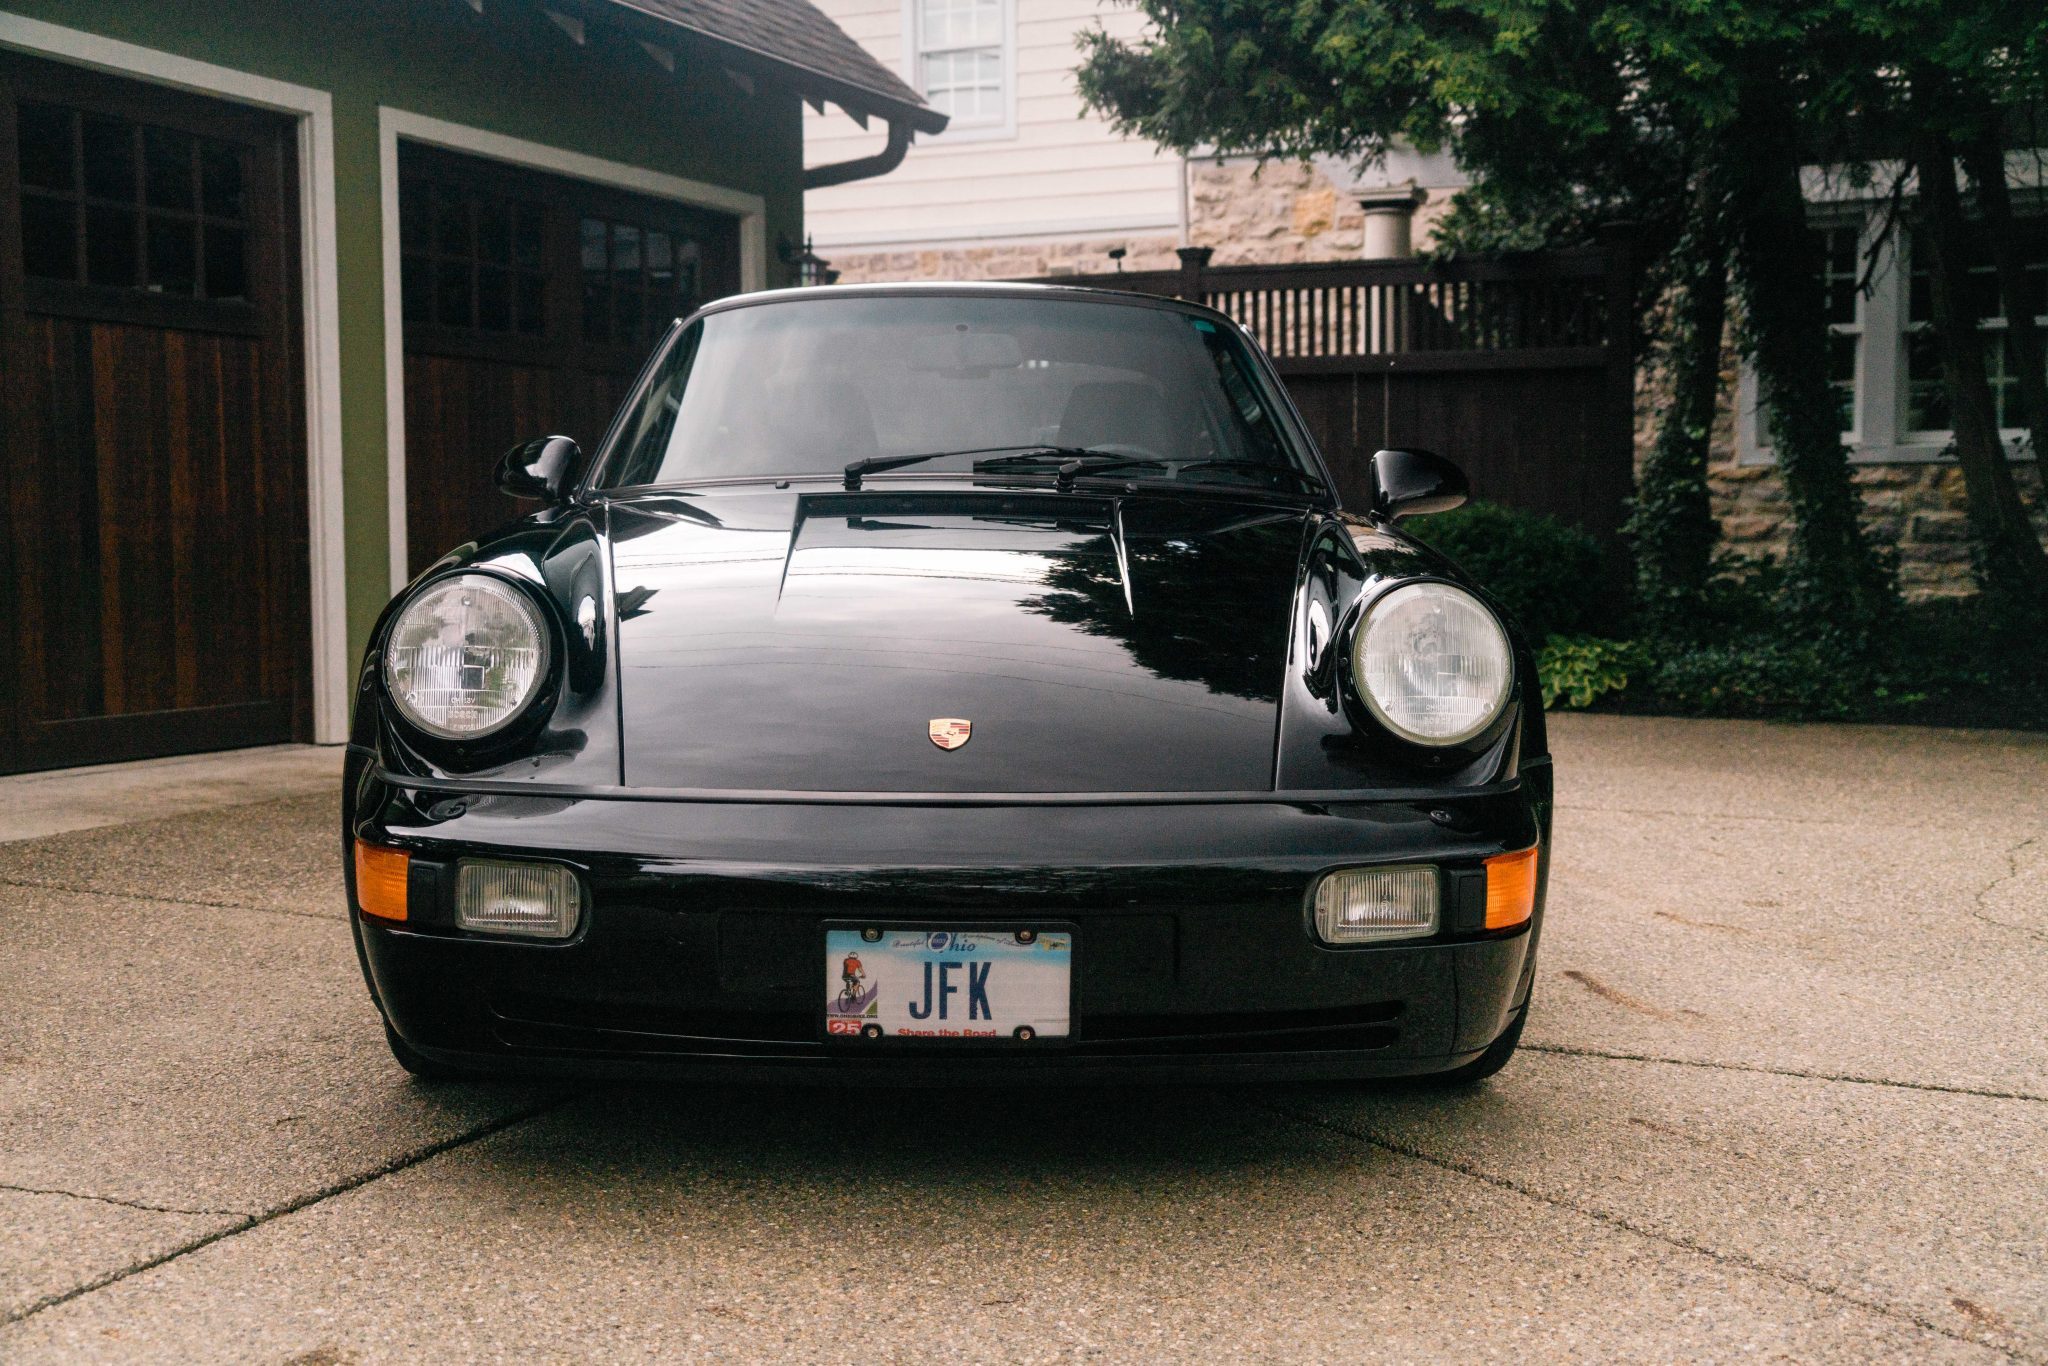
810 386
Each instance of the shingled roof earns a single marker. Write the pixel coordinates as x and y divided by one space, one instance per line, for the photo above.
794 34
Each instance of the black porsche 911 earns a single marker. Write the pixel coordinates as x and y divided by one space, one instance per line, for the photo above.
963 683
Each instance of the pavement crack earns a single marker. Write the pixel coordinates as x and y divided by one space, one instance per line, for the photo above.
1985 1092
163 900
245 1222
125 1204
1978 910
1679 1241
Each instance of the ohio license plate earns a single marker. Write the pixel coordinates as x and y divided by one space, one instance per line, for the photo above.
984 985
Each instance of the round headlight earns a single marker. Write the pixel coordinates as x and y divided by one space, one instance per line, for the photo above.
465 655
1432 663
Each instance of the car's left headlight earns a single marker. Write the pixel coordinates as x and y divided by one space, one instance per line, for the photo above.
1432 663
465 656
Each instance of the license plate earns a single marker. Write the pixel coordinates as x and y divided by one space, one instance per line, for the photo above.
982 985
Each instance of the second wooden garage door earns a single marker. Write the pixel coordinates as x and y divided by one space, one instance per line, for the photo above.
530 303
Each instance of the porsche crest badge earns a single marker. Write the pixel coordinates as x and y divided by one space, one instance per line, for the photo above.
949 732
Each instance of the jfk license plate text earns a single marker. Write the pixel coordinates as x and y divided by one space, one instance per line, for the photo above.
980 984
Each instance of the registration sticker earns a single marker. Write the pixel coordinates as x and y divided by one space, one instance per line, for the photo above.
988 985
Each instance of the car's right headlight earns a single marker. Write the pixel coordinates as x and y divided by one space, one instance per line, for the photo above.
1432 663
465 656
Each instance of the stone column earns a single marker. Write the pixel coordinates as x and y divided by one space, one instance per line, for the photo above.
1388 217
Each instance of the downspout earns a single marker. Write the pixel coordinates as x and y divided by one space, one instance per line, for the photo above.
860 168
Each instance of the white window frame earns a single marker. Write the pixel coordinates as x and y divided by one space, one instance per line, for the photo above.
995 130
1878 434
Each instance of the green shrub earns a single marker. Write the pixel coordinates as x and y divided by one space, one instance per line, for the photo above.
1576 670
1548 575
1765 678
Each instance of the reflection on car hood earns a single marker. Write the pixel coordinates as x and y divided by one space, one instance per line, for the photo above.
808 642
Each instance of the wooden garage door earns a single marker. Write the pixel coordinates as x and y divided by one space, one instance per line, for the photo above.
530 303
153 577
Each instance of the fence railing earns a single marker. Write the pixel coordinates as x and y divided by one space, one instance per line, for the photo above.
1351 311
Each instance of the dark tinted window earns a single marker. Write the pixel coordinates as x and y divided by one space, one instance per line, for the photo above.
805 387
470 260
161 209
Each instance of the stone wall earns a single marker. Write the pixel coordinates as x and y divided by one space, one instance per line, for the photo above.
1282 212
1915 509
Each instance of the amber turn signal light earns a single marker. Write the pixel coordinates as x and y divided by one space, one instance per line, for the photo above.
381 876
1510 889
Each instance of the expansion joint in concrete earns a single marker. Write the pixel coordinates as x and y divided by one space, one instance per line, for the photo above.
244 1223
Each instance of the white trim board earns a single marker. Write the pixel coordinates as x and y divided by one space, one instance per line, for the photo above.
314 112
393 124
1008 234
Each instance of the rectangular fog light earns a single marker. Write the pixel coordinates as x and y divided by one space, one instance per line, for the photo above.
1366 905
538 900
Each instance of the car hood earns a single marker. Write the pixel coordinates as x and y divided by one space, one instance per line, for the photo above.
788 641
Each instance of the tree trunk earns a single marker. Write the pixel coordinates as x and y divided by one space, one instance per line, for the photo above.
2010 562
1984 162
1836 578
1672 523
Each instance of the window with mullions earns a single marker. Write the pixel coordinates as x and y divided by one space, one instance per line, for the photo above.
1927 400
636 280
960 59
1841 270
108 201
471 260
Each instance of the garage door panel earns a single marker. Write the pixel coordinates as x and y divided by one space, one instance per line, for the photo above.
461 415
54 530
530 302
155 433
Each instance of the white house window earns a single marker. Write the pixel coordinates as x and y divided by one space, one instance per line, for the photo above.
1882 361
963 59
1927 405
1840 271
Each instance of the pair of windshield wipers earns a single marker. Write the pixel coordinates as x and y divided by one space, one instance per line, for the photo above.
1068 462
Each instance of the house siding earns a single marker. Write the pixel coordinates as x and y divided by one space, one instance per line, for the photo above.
1060 174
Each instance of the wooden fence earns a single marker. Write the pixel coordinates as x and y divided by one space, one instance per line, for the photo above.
1519 368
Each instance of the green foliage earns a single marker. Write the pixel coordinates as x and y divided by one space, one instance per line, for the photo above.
1575 671
1783 678
1547 574
1671 524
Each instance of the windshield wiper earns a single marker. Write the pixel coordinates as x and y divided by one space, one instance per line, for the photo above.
874 464
1074 461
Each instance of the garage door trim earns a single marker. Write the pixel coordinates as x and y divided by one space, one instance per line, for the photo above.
393 124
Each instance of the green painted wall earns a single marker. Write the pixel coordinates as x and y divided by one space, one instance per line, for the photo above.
510 70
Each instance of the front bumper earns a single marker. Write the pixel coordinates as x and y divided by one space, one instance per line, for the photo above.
702 943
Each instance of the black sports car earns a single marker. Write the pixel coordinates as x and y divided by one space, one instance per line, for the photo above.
962 682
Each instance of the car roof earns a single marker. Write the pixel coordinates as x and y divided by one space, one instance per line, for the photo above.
974 289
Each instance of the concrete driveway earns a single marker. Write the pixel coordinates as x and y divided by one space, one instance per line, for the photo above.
1785 1092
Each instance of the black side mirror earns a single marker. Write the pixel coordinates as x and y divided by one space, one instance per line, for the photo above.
1407 483
540 468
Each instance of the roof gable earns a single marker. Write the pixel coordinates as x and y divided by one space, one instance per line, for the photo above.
795 34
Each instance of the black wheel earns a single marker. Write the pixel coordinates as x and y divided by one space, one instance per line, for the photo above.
425 1068
1491 1061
